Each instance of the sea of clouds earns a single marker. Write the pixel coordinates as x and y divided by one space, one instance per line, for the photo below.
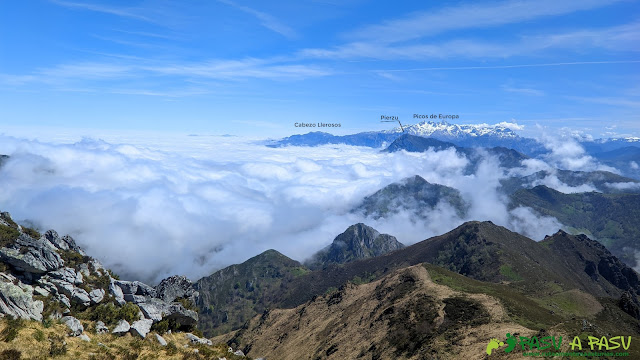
157 206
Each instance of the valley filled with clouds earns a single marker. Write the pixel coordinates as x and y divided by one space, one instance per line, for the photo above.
149 208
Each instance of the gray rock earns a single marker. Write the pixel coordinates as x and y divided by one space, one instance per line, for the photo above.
128 287
145 290
84 337
121 328
32 256
154 309
55 241
64 300
161 340
41 291
116 292
68 275
84 269
96 296
136 299
141 327
75 294
101 328
238 353
97 266
80 296
72 245
181 316
18 302
73 324
175 287
196 340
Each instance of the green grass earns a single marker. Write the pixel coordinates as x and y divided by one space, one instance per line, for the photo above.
8 235
508 272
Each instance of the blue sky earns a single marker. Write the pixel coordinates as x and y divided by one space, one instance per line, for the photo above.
256 68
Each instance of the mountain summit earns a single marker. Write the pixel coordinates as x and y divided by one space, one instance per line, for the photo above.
359 241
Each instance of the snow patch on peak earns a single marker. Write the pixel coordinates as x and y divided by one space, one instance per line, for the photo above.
447 130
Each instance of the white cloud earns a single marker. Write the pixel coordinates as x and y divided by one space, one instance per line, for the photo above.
159 206
469 16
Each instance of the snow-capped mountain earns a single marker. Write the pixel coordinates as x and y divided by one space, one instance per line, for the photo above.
446 131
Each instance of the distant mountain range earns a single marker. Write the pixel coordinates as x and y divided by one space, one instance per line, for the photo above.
621 153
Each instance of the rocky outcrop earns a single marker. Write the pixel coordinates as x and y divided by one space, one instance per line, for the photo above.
32 256
175 287
37 266
73 324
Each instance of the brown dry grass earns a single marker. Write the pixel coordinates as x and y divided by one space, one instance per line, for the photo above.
105 346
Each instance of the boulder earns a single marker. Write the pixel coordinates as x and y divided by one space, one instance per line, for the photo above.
96 296
128 287
80 296
73 324
196 340
154 309
18 302
121 328
141 327
101 328
161 340
238 353
175 287
84 337
181 316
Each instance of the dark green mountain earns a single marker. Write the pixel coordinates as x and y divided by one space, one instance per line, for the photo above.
534 279
413 143
482 251
508 158
414 194
233 295
358 242
601 180
612 219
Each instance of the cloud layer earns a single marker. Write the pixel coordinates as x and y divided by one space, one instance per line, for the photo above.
196 204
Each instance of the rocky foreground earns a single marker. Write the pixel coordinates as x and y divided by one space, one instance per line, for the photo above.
50 286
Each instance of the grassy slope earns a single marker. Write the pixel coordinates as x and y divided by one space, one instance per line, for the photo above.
34 341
